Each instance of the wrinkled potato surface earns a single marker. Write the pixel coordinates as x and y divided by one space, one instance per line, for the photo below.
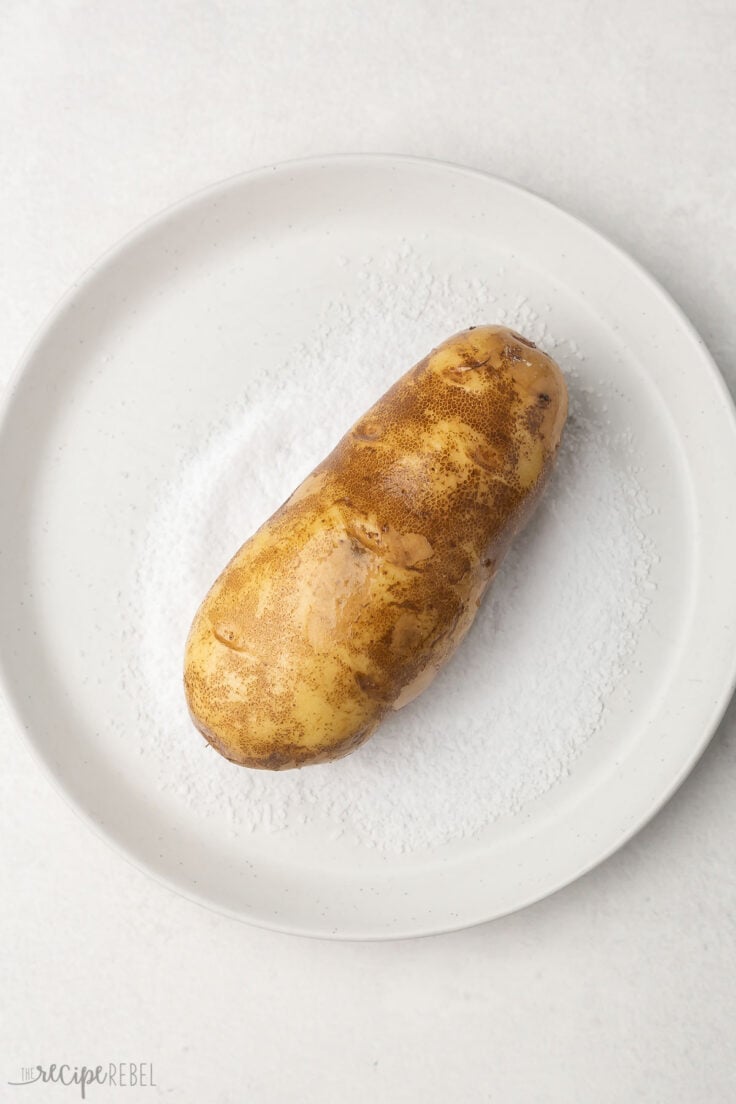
346 602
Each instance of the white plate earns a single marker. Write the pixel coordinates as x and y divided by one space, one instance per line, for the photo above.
154 343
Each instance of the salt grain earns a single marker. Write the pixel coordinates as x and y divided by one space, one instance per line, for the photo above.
508 717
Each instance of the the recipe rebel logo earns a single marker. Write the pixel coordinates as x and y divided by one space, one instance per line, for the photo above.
119 1075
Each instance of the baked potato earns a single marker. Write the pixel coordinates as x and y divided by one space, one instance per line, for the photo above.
348 600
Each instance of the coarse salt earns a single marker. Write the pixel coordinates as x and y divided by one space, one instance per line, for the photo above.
508 717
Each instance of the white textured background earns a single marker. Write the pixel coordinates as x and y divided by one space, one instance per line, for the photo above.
622 988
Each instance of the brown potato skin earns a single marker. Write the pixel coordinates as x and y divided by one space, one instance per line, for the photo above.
347 601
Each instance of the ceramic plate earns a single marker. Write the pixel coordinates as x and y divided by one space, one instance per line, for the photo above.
159 341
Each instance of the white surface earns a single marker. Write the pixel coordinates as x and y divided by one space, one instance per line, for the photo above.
124 374
620 987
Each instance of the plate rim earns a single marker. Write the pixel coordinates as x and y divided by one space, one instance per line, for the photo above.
721 699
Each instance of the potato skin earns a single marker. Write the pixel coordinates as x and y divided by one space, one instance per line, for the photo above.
347 601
